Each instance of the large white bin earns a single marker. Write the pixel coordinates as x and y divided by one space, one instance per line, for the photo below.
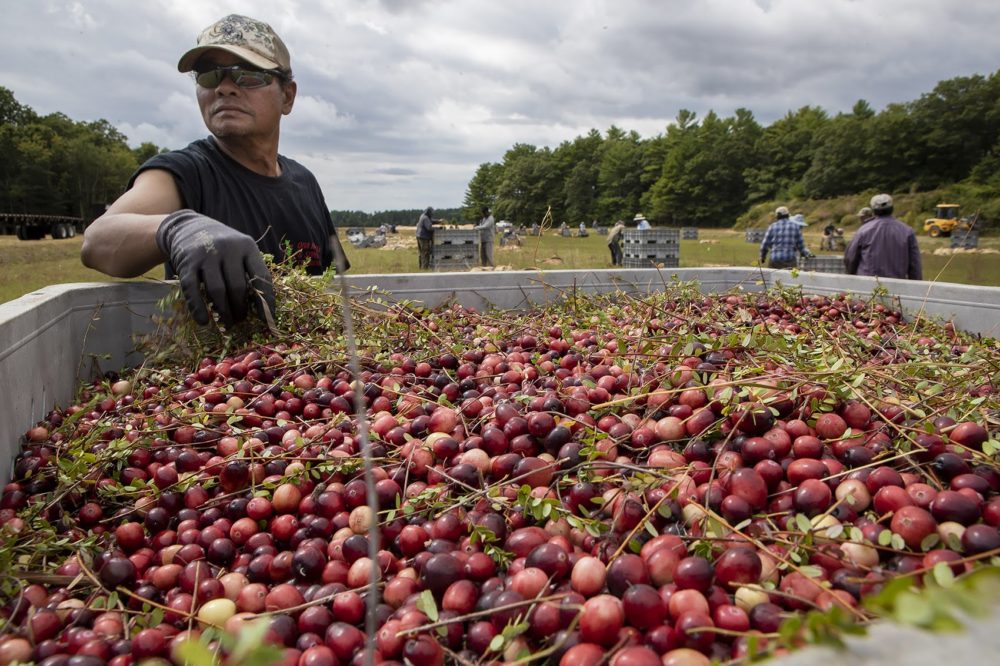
55 337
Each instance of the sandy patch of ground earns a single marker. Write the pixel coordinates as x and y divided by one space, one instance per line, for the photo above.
946 251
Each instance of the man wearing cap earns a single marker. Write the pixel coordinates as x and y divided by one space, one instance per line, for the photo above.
865 214
884 246
425 237
211 209
783 242
487 229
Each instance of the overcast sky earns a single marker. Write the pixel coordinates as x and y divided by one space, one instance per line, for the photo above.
400 100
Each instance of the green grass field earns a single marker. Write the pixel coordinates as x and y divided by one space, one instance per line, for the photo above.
29 265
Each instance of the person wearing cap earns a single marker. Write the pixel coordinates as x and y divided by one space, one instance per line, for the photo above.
211 209
487 229
641 222
425 237
884 246
865 214
783 242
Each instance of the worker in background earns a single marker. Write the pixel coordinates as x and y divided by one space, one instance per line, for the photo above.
211 209
425 237
487 229
783 242
865 214
583 230
641 222
884 246
615 242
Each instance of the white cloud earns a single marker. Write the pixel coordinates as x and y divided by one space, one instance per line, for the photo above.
400 101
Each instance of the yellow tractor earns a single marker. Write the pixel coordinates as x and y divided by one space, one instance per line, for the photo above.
945 219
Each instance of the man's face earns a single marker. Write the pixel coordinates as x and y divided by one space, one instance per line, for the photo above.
231 111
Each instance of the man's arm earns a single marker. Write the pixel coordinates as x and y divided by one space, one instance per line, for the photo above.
122 242
852 257
765 244
915 271
801 242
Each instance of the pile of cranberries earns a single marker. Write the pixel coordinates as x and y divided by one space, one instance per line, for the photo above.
627 481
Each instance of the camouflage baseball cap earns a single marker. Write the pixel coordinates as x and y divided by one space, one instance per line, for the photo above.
252 40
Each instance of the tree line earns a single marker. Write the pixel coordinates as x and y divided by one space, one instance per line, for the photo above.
711 171
53 165
359 218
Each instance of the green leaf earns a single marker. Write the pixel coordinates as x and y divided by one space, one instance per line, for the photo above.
929 542
884 537
913 609
497 643
427 605
943 574
193 653
803 523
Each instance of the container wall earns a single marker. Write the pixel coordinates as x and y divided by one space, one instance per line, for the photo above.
974 309
52 339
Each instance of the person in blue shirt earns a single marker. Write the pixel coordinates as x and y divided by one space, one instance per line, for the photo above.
641 222
783 242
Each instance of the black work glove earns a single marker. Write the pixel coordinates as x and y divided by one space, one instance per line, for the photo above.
227 262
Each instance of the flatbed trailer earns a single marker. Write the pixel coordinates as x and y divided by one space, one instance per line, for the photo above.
29 226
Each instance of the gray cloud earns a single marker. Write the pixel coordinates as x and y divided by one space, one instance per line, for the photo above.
400 101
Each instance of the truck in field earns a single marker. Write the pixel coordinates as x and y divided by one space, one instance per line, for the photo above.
29 226
946 219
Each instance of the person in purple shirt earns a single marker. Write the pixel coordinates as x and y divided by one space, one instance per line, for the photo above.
884 246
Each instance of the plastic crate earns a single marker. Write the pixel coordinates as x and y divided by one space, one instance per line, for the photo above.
641 237
454 257
456 237
755 235
689 233
824 263
651 262
965 238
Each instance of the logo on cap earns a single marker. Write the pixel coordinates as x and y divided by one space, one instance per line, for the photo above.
252 40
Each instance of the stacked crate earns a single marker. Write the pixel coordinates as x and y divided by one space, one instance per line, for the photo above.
824 263
689 233
650 248
965 238
755 235
455 249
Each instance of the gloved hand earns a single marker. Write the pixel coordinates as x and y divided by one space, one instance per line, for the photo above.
205 252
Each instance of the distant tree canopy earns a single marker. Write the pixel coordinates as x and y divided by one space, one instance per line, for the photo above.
54 165
359 218
710 171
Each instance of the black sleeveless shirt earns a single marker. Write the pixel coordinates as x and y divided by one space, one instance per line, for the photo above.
286 214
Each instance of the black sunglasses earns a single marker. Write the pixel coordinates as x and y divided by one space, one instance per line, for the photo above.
240 75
